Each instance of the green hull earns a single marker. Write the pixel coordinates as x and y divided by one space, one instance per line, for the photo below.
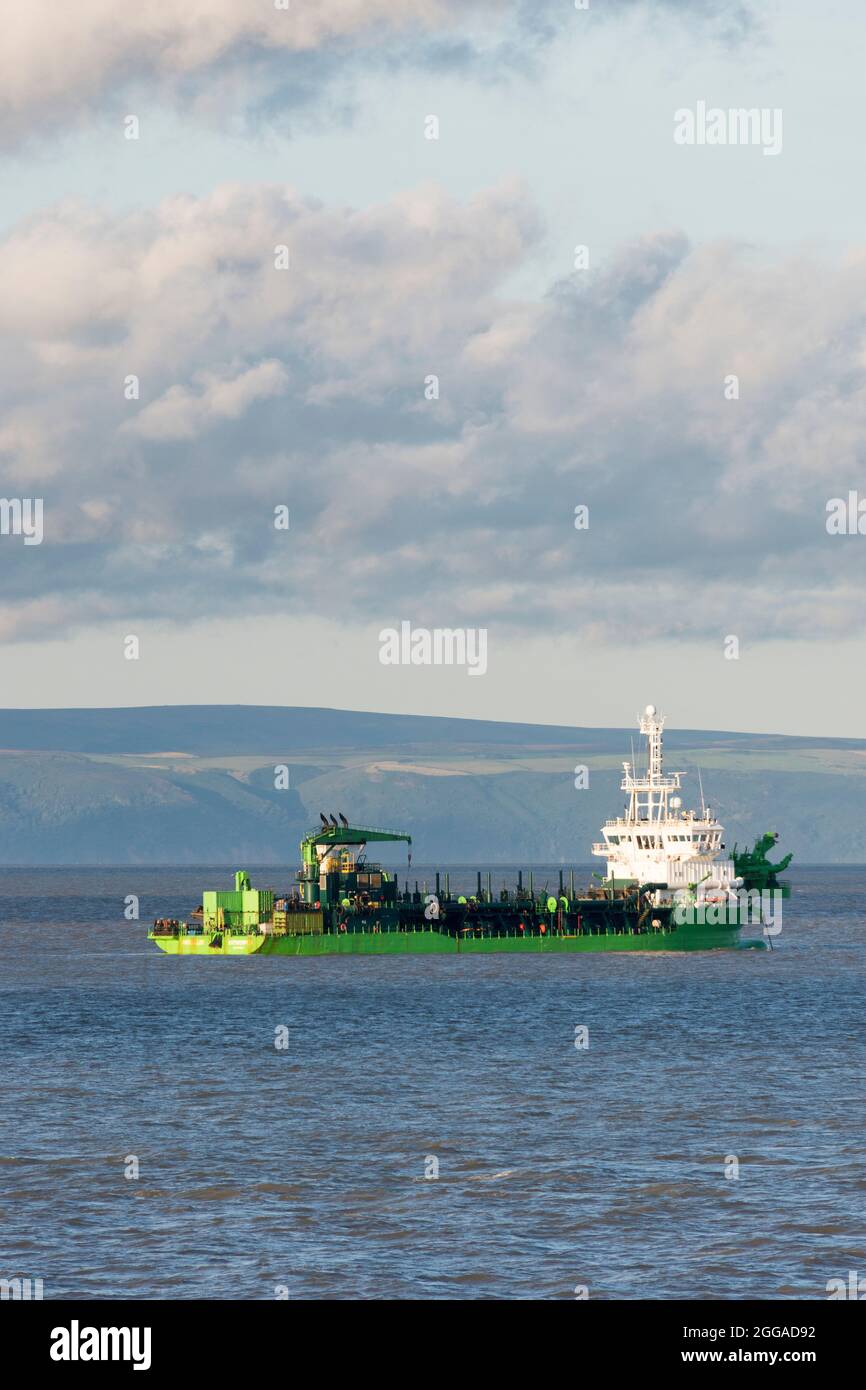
696 937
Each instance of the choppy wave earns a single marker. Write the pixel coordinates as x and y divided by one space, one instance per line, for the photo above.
431 1130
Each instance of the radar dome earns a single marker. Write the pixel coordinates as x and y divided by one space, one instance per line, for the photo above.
650 710
676 802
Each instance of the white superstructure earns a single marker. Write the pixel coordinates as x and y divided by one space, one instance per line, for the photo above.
656 841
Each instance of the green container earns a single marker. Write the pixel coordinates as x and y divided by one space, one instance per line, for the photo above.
246 907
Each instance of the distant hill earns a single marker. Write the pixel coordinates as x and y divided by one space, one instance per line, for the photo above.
186 784
209 729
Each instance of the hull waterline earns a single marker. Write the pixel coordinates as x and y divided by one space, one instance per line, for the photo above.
687 938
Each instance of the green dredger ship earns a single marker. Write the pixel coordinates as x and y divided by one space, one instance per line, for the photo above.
669 887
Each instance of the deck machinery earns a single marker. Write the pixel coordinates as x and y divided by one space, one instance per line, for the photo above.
333 866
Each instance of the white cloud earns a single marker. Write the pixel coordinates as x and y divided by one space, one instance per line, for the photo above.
182 413
305 387
66 63
59 59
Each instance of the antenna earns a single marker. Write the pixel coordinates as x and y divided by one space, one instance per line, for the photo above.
701 785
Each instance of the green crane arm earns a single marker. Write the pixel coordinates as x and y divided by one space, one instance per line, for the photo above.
346 835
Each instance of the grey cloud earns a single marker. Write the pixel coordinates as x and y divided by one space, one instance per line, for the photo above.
68 64
306 388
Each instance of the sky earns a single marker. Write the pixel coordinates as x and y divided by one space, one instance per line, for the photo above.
238 278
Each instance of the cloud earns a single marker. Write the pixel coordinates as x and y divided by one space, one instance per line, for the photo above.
67 61
66 64
184 413
312 388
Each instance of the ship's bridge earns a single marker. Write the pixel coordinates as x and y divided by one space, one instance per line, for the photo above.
655 840
683 838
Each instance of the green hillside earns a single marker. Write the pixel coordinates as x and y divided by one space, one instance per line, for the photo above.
193 784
